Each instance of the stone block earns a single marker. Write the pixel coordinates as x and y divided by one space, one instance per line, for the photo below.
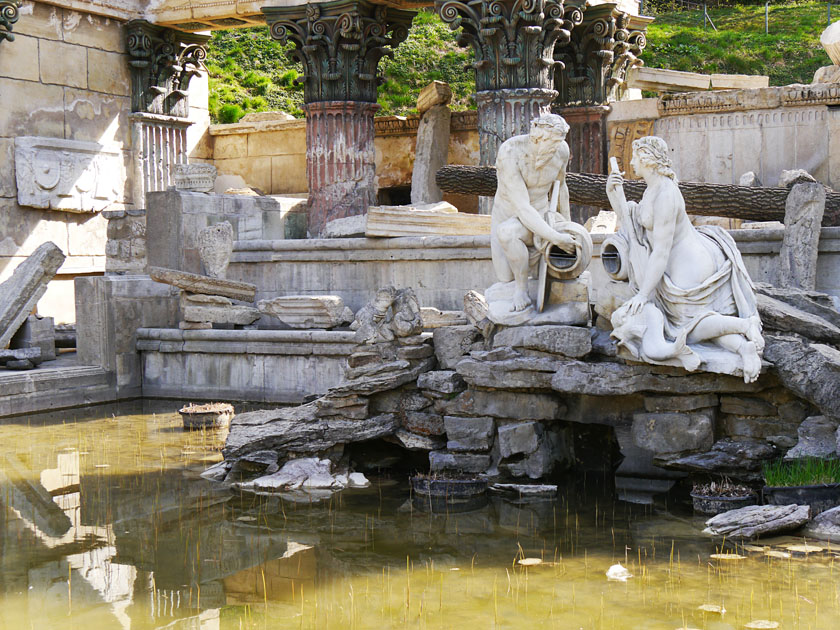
519 438
469 434
424 423
95 117
680 403
93 31
308 311
288 174
436 318
195 283
453 343
666 433
534 465
108 72
443 381
570 341
233 314
756 427
40 20
38 333
440 461
739 81
437 93
18 60
746 406
817 438
804 211
31 108
63 64
230 146
430 154
348 227
502 404
67 175
413 442
661 80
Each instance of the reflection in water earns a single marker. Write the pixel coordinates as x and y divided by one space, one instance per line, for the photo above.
107 524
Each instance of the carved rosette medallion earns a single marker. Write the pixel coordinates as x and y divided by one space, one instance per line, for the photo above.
339 44
513 40
162 63
9 14
593 65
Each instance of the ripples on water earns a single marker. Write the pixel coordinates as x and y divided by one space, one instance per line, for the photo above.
107 524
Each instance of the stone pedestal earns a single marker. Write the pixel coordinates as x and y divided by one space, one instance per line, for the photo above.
587 140
340 166
503 114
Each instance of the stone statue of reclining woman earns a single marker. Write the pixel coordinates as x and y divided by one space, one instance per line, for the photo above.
694 304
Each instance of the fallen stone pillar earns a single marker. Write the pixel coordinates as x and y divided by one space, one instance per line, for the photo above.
432 149
20 293
804 210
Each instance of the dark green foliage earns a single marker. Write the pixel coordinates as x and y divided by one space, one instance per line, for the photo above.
230 113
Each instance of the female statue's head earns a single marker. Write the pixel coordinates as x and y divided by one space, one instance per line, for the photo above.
652 152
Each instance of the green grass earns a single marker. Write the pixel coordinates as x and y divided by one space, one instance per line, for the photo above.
808 471
251 72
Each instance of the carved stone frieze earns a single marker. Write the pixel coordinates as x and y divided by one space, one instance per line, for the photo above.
66 175
621 137
339 44
162 61
513 40
9 14
592 66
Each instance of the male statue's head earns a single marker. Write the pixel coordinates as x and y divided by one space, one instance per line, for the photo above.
547 132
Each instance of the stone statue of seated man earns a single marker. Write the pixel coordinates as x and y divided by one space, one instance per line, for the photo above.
522 224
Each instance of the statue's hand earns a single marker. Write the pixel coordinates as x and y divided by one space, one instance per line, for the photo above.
564 242
615 182
636 304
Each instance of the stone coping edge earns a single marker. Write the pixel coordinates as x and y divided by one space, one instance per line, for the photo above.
239 336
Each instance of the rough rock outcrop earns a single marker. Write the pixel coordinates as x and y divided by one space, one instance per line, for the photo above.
758 520
736 458
809 370
825 526
778 315
817 438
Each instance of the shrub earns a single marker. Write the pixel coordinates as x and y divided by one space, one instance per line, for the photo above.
808 471
230 113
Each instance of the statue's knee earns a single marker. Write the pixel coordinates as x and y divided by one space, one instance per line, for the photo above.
507 235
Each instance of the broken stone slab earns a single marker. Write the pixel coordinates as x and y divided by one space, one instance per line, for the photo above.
20 364
436 93
396 221
570 341
435 318
503 404
804 211
234 314
196 299
453 343
21 354
440 461
308 311
415 442
469 434
374 369
367 385
777 315
809 370
300 430
195 283
346 227
519 438
20 293
525 490
477 311
522 372
607 378
817 438
415 352
36 332
443 381
430 154
758 520
215 245
820 304
825 526
742 459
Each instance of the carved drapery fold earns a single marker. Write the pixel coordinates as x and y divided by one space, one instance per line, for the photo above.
162 63
339 44
594 63
9 14
513 40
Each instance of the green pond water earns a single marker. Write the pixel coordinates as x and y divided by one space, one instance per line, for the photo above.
107 524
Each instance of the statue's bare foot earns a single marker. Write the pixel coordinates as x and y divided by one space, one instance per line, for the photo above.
521 301
754 335
752 362
690 360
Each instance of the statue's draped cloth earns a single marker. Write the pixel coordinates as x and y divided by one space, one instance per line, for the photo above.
729 291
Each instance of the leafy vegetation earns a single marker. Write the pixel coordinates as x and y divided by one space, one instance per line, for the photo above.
808 471
251 72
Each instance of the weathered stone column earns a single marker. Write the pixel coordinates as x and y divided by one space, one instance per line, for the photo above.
514 44
340 44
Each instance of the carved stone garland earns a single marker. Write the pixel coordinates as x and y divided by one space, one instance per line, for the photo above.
162 62
339 44
9 14
514 41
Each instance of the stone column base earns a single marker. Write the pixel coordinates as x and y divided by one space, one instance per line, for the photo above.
340 166
587 140
503 114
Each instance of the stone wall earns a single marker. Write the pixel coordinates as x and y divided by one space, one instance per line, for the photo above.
270 153
66 77
717 136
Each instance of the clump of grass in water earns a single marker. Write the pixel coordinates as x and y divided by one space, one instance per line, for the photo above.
809 471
